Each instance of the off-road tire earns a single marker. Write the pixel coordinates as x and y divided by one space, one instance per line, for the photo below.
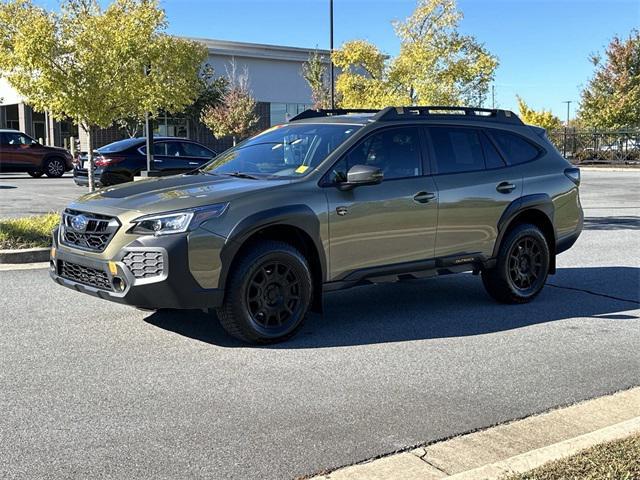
260 284
54 167
507 281
35 173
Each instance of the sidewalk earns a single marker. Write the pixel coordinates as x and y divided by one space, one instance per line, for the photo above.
510 448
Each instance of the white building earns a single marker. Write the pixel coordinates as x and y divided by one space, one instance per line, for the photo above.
275 77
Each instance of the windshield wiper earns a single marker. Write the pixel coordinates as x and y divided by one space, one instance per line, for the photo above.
201 171
241 175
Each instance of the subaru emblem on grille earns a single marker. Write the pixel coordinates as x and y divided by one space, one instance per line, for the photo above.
79 223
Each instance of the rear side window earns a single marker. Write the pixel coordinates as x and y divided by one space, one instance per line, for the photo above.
516 149
491 156
457 149
194 150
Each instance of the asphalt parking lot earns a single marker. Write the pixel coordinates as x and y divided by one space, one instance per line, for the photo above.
90 389
21 195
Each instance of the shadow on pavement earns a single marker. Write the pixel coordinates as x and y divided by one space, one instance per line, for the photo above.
24 176
612 223
453 306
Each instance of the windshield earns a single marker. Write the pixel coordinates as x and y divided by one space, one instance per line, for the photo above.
282 151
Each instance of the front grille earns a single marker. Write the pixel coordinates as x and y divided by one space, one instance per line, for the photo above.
85 275
95 236
144 264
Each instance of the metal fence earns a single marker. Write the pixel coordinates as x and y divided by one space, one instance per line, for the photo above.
598 147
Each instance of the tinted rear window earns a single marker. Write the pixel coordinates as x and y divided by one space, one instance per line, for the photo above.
491 156
120 145
516 148
457 149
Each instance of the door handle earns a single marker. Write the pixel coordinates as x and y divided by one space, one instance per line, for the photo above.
424 197
194 163
156 160
505 187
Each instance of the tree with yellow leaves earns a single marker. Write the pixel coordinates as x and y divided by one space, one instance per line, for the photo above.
540 118
97 65
436 65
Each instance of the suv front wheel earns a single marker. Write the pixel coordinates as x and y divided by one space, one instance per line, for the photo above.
522 266
268 294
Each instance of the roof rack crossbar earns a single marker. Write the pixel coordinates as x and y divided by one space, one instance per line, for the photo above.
438 111
331 112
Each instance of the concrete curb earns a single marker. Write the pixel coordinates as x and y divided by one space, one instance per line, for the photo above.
509 448
9 267
536 458
25 255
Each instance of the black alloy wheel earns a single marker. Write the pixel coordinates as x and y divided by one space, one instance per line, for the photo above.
273 295
525 263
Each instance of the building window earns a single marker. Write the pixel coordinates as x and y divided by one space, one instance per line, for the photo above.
167 126
283 112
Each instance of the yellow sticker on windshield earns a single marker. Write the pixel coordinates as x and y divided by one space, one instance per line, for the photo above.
302 169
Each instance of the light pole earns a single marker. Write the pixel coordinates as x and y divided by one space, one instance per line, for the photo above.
148 126
568 102
566 127
333 103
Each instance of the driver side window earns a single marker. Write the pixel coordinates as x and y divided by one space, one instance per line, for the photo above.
395 151
17 139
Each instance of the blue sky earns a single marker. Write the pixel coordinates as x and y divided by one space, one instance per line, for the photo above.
543 45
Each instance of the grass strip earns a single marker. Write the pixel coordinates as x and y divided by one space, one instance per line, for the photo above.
618 460
28 232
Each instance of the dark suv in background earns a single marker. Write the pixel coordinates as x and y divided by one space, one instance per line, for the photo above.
21 153
120 161
329 201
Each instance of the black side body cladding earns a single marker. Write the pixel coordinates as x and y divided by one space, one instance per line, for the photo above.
298 216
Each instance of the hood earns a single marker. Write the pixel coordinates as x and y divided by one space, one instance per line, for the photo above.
165 194
57 149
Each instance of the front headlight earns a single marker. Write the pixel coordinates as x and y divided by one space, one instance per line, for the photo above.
176 222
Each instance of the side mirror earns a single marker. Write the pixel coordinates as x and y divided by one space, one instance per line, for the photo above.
360 175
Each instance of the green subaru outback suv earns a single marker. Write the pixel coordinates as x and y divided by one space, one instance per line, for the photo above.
330 200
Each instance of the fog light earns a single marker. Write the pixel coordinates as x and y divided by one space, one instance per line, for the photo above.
52 265
118 284
113 268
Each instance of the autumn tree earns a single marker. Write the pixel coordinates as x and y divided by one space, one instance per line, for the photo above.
611 99
211 91
436 65
235 115
97 65
541 118
316 72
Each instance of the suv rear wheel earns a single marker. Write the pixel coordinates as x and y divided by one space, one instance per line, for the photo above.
268 294
54 167
522 266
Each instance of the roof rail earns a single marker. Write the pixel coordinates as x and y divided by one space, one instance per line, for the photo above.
439 112
331 112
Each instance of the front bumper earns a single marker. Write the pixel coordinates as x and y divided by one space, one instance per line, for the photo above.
170 285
